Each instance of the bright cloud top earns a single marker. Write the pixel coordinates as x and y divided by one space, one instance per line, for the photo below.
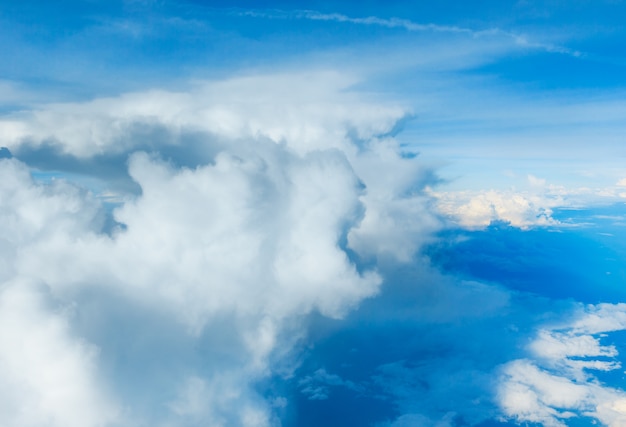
306 111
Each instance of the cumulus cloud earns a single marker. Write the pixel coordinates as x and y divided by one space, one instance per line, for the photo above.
479 209
227 250
559 378
524 208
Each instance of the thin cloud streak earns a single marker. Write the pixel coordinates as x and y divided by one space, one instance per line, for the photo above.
410 26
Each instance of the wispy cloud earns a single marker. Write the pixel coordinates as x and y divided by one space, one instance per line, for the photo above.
381 22
519 39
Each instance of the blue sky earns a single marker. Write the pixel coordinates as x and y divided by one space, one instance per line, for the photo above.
386 214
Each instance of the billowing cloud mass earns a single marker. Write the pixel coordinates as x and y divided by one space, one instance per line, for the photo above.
306 111
292 176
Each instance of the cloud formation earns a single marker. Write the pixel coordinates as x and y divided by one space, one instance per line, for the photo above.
411 26
306 111
228 250
523 208
559 378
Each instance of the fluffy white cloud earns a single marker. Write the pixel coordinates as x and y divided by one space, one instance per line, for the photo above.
479 209
307 112
556 381
398 215
231 252
217 401
524 208
601 318
48 377
248 236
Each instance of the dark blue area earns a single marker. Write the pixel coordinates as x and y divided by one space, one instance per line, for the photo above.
579 262
342 408
352 355
389 331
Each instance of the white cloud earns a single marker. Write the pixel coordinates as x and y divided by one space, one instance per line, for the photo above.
601 318
479 209
534 395
48 378
382 22
557 382
411 26
245 235
398 216
217 401
231 252
305 111
523 208
31 213
558 346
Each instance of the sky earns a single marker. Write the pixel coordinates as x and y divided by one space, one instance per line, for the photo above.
296 214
